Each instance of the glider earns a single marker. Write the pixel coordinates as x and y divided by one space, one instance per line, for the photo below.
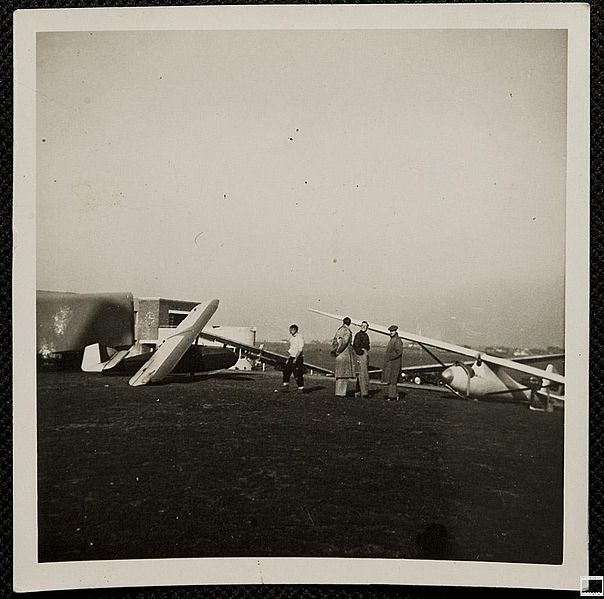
484 375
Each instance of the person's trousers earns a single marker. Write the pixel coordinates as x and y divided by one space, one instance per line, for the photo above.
295 366
392 391
363 374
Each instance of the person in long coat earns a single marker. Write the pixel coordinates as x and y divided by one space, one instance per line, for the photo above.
342 349
393 362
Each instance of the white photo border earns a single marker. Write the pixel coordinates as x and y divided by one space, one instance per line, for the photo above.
29 575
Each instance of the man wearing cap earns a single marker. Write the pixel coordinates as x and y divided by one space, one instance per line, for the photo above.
342 350
393 362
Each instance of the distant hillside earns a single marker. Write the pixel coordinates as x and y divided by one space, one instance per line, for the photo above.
318 353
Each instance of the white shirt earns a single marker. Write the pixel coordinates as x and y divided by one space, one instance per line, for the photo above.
296 345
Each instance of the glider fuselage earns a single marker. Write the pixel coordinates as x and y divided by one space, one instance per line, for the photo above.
479 380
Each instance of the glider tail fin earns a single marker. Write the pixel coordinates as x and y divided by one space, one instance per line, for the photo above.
546 383
95 357
546 388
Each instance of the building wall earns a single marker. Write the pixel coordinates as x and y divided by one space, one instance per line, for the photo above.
153 313
146 318
70 321
165 305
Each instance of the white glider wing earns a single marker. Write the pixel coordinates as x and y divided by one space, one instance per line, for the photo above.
260 353
458 349
169 353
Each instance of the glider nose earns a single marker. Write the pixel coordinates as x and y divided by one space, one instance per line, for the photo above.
446 376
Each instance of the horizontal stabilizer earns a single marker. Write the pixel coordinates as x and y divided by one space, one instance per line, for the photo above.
96 359
116 359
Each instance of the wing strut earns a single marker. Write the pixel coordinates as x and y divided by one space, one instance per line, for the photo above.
433 355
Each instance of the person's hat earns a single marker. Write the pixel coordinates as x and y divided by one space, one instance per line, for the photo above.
393 327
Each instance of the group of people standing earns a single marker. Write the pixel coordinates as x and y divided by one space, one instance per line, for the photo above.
352 360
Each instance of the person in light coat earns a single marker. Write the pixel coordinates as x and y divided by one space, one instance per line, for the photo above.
393 362
345 362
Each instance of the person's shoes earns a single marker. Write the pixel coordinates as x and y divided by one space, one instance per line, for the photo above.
357 394
364 396
300 389
536 409
284 389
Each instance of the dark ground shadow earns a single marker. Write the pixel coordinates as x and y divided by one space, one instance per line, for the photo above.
313 388
187 378
382 394
433 542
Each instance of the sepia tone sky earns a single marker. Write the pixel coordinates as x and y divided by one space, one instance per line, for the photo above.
406 176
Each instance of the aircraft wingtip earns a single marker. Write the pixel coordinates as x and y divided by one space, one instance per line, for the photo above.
213 303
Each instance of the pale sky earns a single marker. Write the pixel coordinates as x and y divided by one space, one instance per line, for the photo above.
414 177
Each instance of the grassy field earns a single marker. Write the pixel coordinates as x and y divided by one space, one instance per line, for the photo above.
223 466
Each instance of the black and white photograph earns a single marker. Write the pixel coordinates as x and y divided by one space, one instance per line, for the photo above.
303 289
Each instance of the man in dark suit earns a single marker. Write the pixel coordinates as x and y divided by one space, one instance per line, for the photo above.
361 349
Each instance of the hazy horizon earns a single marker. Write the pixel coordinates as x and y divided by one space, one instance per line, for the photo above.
414 177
